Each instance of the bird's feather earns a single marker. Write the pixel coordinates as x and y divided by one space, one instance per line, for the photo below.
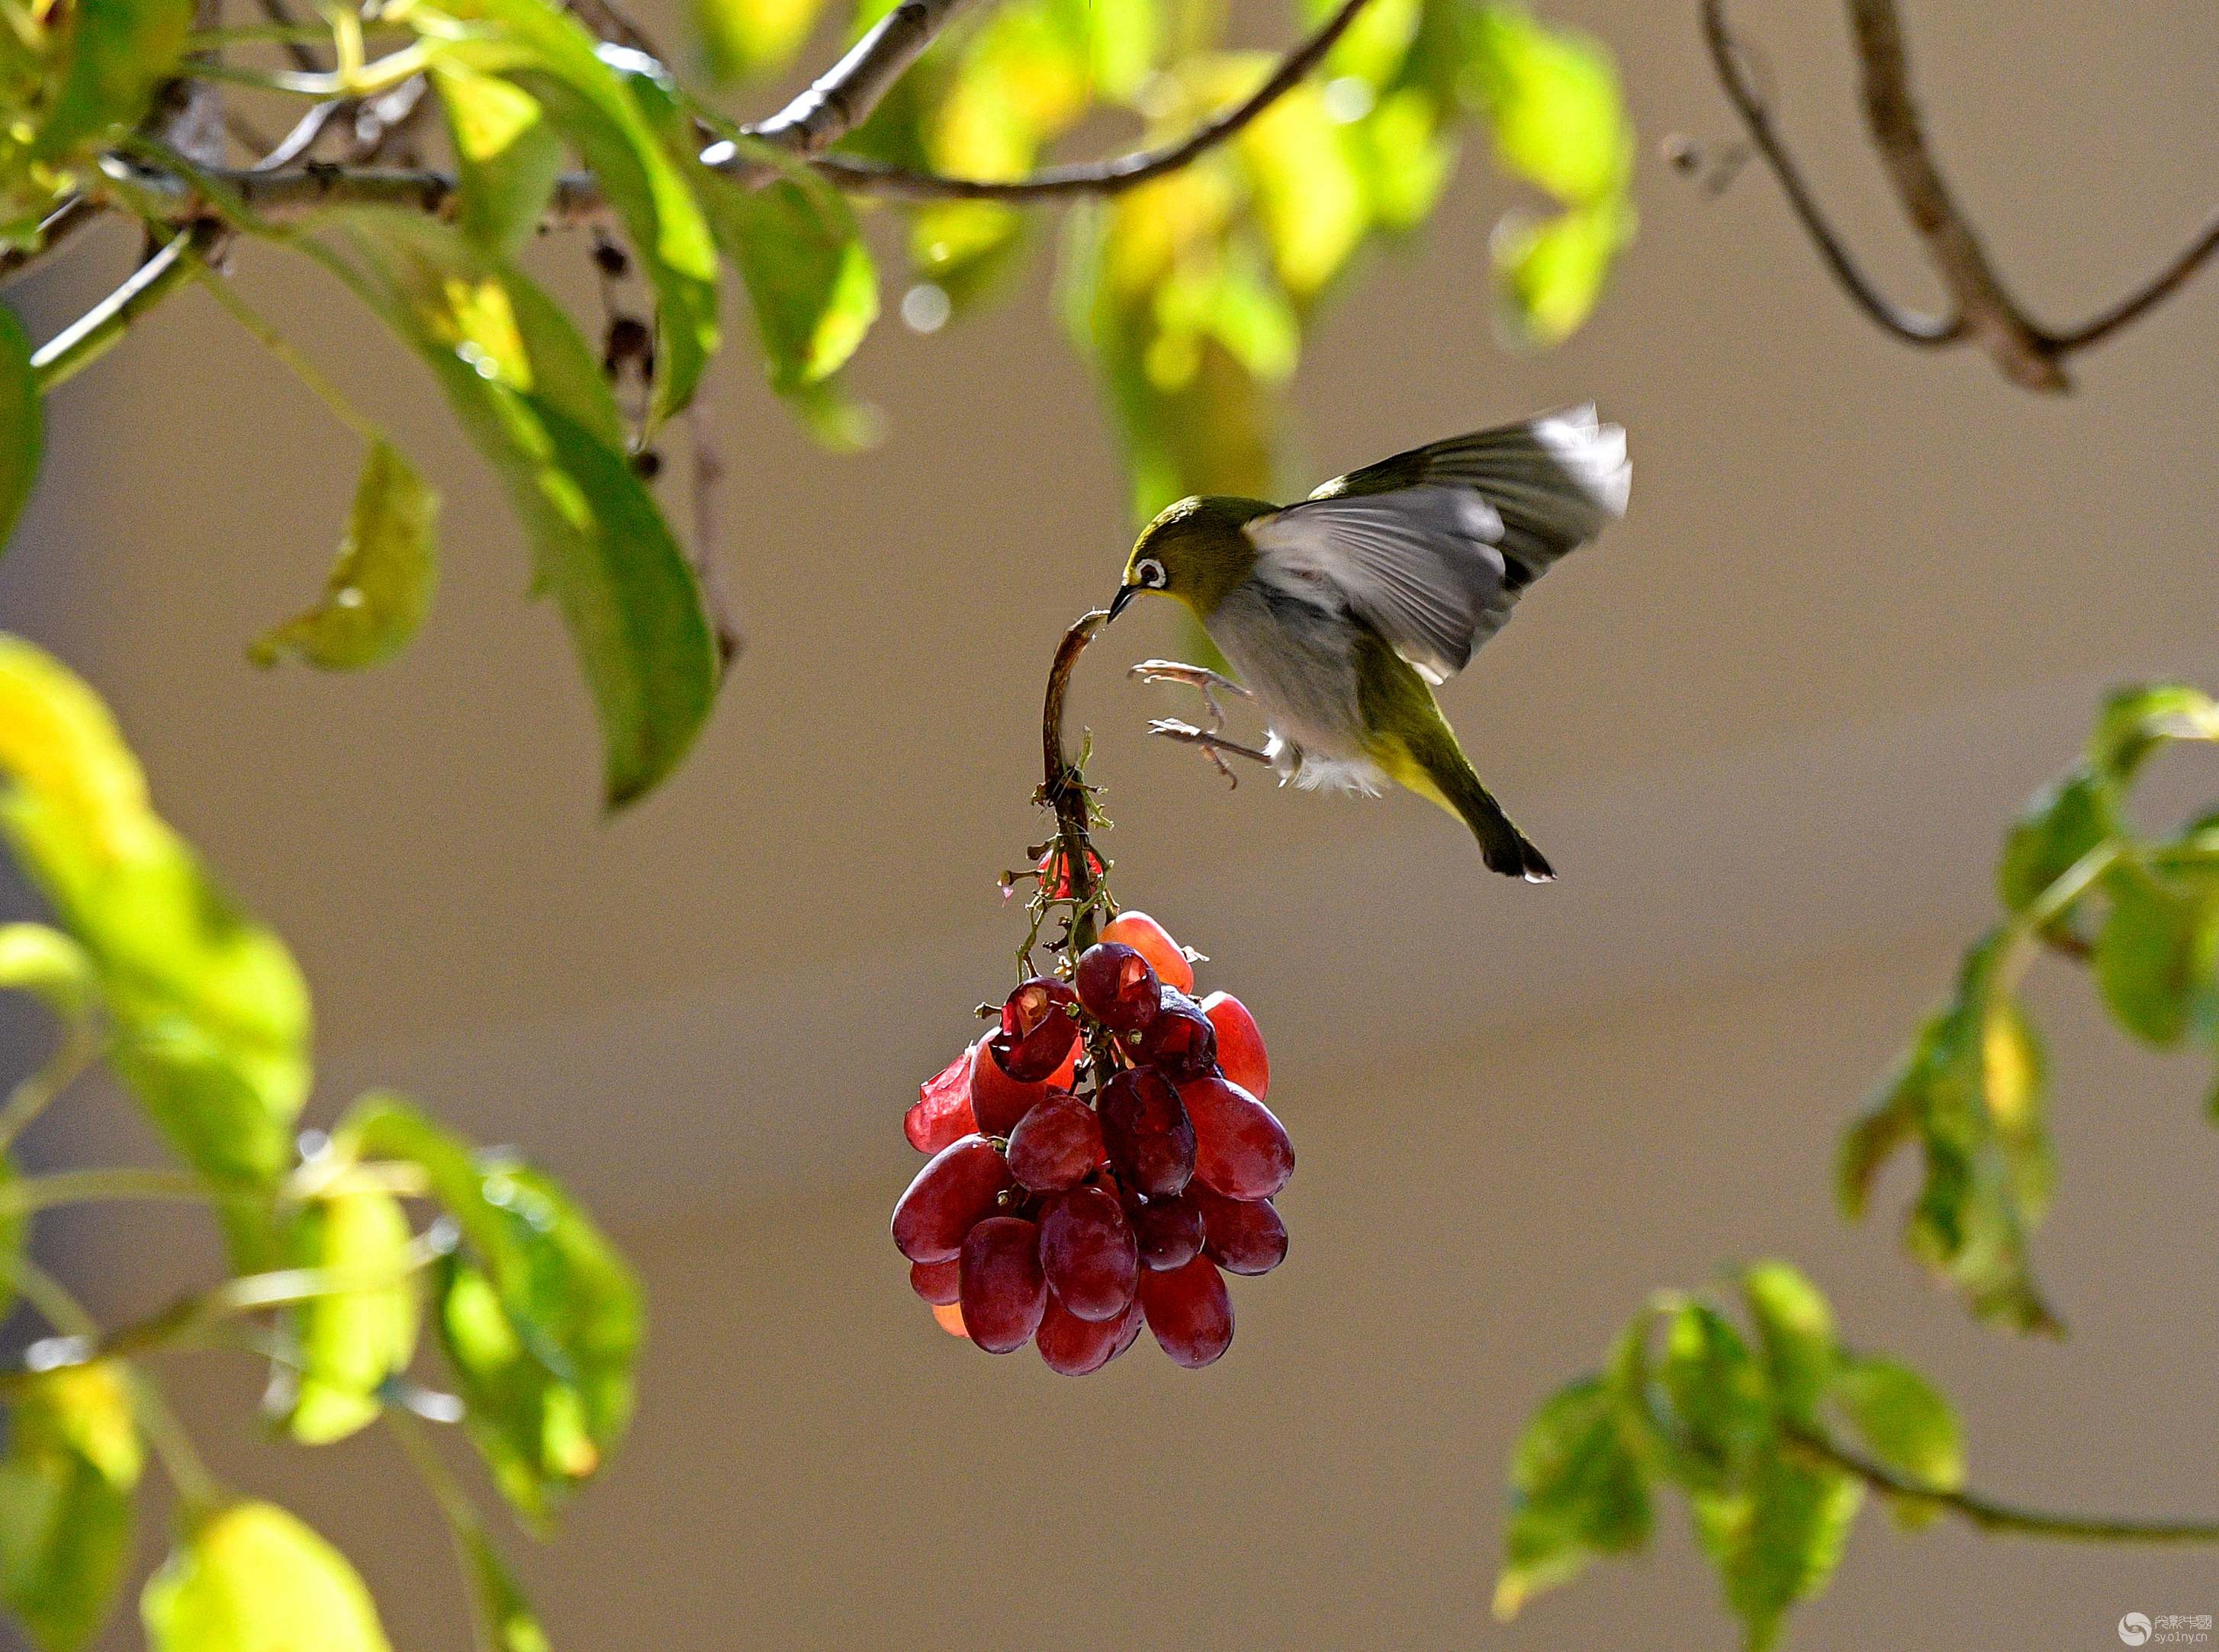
1432 547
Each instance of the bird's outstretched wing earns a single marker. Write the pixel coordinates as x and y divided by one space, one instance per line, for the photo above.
1432 546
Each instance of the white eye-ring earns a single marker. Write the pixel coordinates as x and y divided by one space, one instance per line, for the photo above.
1152 573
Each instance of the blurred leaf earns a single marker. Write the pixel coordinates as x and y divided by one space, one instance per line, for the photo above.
2157 957
1906 1424
1777 1540
210 1015
349 1341
22 425
2135 722
507 153
1553 105
505 1620
1549 271
47 964
541 1323
1795 1332
2058 827
380 589
549 55
1720 1414
1404 153
1309 198
118 52
249 1577
530 395
747 38
66 1502
809 276
1577 1492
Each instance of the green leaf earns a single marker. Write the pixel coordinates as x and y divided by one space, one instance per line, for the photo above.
1310 199
1549 271
505 1620
1721 1415
809 276
1553 104
2157 956
747 38
2136 721
530 393
1906 1423
66 1502
1794 1330
23 425
380 589
118 52
2059 827
47 964
210 1015
1578 1492
549 55
541 1322
507 155
249 1577
351 1340
1777 1541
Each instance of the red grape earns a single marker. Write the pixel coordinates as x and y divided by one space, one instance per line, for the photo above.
997 1100
1180 1039
1118 987
1088 1254
1245 1236
1072 1346
1189 1311
1055 1145
1055 878
1239 1046
949 1318
955 1188
943 1108
1037 1029
1240 1150
1002 1293
1147 1133
934 1281
1168 1232
1153 942
1128 1328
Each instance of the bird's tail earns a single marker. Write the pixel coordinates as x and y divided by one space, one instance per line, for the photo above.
1437 769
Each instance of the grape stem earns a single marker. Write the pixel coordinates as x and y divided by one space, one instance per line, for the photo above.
1063 785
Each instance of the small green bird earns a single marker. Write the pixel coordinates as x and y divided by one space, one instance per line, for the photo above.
1342 612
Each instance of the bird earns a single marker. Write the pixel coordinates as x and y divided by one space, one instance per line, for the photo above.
1341 613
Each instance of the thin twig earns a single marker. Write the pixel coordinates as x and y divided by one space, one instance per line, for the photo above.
2158 288
708 566
92 334
839 99
1992 1516
1063 786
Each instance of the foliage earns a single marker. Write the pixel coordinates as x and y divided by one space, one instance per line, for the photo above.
202 1014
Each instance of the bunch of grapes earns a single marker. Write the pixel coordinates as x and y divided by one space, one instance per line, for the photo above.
1099 1161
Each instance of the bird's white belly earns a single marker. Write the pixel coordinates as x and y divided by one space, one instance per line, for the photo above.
1298 660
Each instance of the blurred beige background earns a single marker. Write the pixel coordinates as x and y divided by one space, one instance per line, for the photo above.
1769 730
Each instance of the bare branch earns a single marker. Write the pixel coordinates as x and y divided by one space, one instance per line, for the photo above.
2155 291
840 98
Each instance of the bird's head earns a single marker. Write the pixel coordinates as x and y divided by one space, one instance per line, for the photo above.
1195 551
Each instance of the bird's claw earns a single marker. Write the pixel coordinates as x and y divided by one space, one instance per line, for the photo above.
1201 679
1211 744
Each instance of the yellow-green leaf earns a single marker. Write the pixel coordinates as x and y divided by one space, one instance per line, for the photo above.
746 38
506 1621
1906 1424
508 154
1310 199
118 51
22 425
1553 104
379 590
251 1578
1794 1331
1777 1539
809 276
1578 1492
350 1340
48 965
531 397
66 1502
2158 953
1549 271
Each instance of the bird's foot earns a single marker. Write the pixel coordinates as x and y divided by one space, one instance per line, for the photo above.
1199 678
1211 744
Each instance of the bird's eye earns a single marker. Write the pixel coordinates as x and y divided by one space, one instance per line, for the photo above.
1152 573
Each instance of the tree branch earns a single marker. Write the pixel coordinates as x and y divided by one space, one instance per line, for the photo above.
1992 1516
1982 307
94 333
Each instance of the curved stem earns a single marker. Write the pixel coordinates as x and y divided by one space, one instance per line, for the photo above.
1993 1516
1063 786
275 342
80 1043
32 1193
2158 288
89 338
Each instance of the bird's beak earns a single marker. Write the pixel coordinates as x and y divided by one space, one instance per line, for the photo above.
1125 594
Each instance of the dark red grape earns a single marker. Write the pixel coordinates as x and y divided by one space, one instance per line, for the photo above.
1055 1145
1002 1293
1118 987
943 1112
1240 1045
1088 1254
957 1188
934 1281
1243 1236
998 1101
1147 1131
1189 1311
1180 1039
1037 1029
1240 1149
1128 1328
1168 1232
1153 943
1072 1346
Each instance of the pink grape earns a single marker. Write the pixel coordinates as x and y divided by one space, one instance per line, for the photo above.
943 1112
1072 1346
935 1280
1180 1041
1037 1029
1239 1046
